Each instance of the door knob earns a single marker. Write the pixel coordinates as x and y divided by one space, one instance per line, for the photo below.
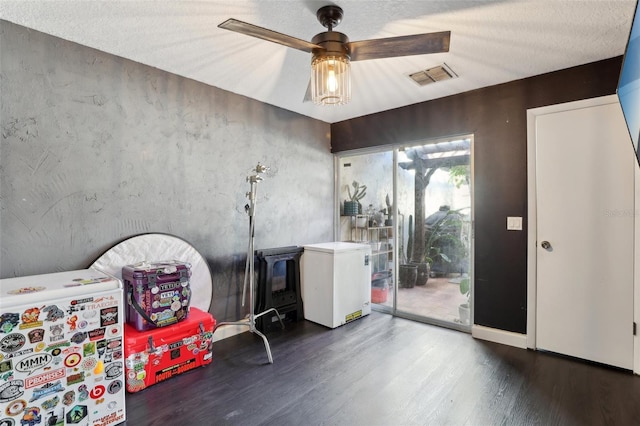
546 245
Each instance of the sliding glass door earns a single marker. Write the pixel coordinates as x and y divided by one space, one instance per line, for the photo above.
421 249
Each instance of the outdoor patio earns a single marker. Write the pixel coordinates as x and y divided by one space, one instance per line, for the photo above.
439 298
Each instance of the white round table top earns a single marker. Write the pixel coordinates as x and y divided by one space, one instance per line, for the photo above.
160 247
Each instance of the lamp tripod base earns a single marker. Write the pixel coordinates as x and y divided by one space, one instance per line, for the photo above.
250 320
251 323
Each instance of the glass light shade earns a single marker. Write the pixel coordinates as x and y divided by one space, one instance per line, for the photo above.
330 80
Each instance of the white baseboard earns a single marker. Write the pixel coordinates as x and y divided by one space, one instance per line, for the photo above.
499 336
228 330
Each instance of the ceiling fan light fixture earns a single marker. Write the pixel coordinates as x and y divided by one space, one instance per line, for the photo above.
332 52
330 79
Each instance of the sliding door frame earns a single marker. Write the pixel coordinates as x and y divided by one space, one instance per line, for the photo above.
393 309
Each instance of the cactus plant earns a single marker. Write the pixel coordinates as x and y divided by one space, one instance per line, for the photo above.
352 206
389 211
410 240
359 191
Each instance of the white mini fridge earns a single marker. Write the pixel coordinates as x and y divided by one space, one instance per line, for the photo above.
61 349
336 282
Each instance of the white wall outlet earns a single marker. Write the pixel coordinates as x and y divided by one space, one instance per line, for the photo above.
514 223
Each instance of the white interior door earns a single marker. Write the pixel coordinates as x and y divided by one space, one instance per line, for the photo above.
585 211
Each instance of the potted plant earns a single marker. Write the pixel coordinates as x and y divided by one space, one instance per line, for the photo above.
419 264
352 206
445 248
389 212
464 309
408 274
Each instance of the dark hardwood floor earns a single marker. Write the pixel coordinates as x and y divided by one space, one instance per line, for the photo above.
381 370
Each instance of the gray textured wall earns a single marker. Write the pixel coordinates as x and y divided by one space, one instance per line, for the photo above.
96 149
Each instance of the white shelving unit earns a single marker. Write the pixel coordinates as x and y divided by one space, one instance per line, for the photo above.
380 238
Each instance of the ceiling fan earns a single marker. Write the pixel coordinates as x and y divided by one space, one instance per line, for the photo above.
332 51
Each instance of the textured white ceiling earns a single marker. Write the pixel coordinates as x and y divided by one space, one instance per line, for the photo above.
492 42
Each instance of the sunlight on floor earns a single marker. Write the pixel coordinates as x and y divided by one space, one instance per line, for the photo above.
439 298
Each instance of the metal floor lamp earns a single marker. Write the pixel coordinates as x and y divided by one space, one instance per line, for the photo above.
249 271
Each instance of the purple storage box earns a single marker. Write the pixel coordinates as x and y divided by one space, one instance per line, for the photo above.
157 293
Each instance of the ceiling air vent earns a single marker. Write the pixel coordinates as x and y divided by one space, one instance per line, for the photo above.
432 75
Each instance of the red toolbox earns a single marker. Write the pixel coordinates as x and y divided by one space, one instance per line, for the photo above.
157 293
156 355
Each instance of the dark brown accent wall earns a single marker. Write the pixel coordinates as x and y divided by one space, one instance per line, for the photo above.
496 116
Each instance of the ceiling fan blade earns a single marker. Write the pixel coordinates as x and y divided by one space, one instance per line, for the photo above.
265 34
418 44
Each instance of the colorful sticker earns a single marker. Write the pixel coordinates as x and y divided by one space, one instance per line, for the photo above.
89 349
53 313
6 366
46 377
69 397
96 334
55 417
72 321
16 407
101 345
77 414
30 318
99 368
89 364
26 290
87 281
8 321
108 316
79 337
97 392
113 370
12 342
51 403
46 390
74 379
72 360
114 387
135 385
57 332
89 314
175 370
31 416
114 331
13 389
83 393
36 335
32 363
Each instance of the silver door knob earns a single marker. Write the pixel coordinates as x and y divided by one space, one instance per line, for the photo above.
546 245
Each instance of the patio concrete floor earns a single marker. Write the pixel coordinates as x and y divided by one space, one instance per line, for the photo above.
439 299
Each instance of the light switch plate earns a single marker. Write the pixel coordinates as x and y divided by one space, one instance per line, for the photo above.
514 223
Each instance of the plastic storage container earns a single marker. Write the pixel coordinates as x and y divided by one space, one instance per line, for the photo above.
153 356
158 293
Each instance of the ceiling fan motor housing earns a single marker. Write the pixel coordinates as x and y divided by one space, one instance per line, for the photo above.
333 44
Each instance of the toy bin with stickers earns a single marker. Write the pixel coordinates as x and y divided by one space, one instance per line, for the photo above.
61 349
